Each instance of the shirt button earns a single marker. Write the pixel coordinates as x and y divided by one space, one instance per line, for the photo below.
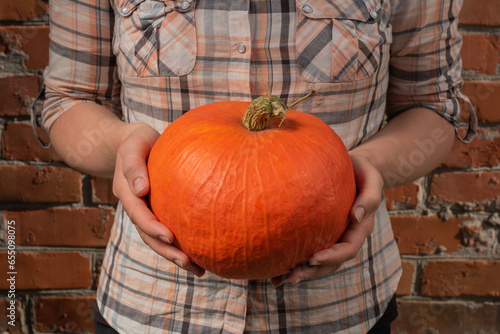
373 14
242 48
185 5
307 9
125 10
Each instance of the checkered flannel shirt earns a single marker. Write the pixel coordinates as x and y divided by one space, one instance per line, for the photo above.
152 60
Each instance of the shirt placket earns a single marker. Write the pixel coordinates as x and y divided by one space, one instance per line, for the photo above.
241 50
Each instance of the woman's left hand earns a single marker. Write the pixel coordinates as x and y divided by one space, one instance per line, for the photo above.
370 185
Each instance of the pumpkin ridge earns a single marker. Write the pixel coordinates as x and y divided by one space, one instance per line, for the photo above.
182 193
223 151
222 184
306 213
245 209
317 159
266 215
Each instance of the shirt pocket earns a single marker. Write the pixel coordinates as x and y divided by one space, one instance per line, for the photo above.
338 41
155 38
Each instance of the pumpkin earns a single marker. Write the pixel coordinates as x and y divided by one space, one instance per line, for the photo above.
251 200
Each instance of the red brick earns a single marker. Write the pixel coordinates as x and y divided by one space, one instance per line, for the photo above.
404 197
416 234
480 12
468 187
407 279
49 270
5 317
31 40
485 97
87 227
29 184
17 93
481 52
102 191
64 314
483 151
19 143
15 10
453 278
453 317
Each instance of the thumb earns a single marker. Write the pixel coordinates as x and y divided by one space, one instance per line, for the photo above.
133 154
370 185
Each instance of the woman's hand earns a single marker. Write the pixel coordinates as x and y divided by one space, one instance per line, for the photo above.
362 218
131 184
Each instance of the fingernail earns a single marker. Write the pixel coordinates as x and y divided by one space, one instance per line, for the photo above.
179 263
359 213
314 263
139 184
297 280
164 239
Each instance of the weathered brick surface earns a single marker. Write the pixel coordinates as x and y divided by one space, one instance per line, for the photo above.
7 315
19 143
453 278
30 184
485 97
407 279
49 270
417 234
17 93
88 227
484 151
469 187
64 314
404 196
480 52
480 12
33 41
15 10
102 191
447 317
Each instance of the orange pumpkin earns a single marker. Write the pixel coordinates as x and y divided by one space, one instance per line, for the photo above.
250 204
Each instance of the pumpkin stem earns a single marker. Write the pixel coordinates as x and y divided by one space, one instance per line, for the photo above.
265 109
311 92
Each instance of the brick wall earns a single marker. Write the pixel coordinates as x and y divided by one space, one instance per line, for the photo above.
446 224
62 216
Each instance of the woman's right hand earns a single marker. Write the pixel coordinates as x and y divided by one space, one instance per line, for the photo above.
131 184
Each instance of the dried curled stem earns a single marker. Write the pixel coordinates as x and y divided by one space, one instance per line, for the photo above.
265 109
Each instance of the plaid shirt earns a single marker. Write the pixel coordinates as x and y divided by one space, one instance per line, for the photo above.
151 61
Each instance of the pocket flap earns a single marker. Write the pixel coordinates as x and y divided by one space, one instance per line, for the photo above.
127 7
361 10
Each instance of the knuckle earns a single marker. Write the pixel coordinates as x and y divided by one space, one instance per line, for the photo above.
130 168
116 189
131 213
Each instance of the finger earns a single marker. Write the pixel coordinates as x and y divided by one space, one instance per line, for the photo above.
370 185
303 272
171 253
347 248
139 213
137 209
297 275
133 153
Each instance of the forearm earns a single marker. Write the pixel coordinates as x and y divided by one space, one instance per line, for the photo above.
410 146
87 137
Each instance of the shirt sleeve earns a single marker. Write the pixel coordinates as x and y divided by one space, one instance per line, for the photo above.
425 66
82 66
